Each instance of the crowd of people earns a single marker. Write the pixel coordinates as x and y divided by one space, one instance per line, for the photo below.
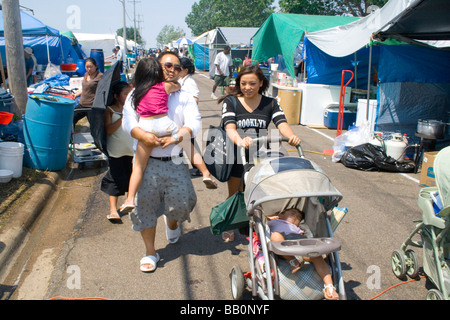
154 121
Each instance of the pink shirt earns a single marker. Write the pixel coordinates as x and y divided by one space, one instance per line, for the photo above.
154 102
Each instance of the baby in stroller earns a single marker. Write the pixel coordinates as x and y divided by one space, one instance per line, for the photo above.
285 225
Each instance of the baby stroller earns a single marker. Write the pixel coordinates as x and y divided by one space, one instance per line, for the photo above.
275 183
433 230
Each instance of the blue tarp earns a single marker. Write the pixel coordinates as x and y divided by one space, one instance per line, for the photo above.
30 26
201 57
58 55
414 84
322 68
407 63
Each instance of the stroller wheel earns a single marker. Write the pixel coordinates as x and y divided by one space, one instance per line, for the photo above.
237 283
435 294
412 265
398 264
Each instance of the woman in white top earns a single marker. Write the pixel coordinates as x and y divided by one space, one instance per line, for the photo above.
186 80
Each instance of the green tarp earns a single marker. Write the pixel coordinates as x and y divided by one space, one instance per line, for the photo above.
281 34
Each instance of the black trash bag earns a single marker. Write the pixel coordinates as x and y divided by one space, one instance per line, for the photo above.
368 157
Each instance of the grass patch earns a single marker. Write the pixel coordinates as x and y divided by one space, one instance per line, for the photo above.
11 192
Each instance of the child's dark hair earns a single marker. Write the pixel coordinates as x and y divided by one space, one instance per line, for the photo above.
148 73
118 87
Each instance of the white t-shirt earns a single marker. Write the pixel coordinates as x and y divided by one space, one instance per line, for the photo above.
119 55
224 62
188 84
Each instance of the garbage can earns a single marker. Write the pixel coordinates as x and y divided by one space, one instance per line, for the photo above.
290 100
47 129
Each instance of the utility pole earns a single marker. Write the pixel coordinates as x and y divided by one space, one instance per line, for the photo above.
134 19
124 35
14 53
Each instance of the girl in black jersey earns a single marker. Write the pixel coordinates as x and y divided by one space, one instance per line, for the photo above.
247 113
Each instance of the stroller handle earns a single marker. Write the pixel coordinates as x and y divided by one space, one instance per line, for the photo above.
268 139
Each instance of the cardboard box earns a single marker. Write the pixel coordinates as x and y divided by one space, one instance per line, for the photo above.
427 173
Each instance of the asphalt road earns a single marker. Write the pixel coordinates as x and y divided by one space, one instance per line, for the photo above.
75 252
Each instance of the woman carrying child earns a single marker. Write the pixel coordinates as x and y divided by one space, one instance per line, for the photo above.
150 99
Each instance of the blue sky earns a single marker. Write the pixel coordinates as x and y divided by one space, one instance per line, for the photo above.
106 16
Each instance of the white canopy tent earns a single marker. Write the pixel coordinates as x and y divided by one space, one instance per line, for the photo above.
344 40
232 36
104 41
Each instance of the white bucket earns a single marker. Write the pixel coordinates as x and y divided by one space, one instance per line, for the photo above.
11 157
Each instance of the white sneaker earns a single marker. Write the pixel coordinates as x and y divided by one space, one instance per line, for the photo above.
213 96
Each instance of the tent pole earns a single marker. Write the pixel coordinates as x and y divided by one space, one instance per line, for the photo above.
62 50
356 72
2 70
48 49
368 80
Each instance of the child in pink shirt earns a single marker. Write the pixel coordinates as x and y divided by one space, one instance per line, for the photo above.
151 95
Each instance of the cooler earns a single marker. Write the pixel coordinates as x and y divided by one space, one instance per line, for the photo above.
331 115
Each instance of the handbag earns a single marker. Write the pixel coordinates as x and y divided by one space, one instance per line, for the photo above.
229 215
220 151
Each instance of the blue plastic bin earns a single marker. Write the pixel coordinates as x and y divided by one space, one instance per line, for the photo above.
47 129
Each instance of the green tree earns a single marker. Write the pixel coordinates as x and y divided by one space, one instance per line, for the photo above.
357 8
168 34
130 34
209 14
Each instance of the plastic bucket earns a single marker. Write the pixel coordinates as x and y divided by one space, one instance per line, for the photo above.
47 129
81 69
97 54
11 157
5 117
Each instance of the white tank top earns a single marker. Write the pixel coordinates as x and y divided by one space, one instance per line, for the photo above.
119 143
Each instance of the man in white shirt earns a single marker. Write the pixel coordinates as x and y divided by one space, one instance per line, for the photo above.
223 64
166 186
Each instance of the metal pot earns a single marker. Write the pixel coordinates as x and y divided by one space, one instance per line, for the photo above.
434 129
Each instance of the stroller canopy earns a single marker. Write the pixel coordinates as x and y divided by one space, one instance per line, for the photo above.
288 178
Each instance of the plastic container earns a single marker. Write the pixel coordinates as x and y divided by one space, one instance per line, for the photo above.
331 115
97 54
81 69
72 67
5 117
6 101
11 157
47 130
5 176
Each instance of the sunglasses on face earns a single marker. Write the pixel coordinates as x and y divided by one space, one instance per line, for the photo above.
170 65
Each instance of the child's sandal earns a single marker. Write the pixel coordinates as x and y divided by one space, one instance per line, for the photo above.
295 265
328 291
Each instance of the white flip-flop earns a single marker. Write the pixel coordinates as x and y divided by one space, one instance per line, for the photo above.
127 208
172 235
153 260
